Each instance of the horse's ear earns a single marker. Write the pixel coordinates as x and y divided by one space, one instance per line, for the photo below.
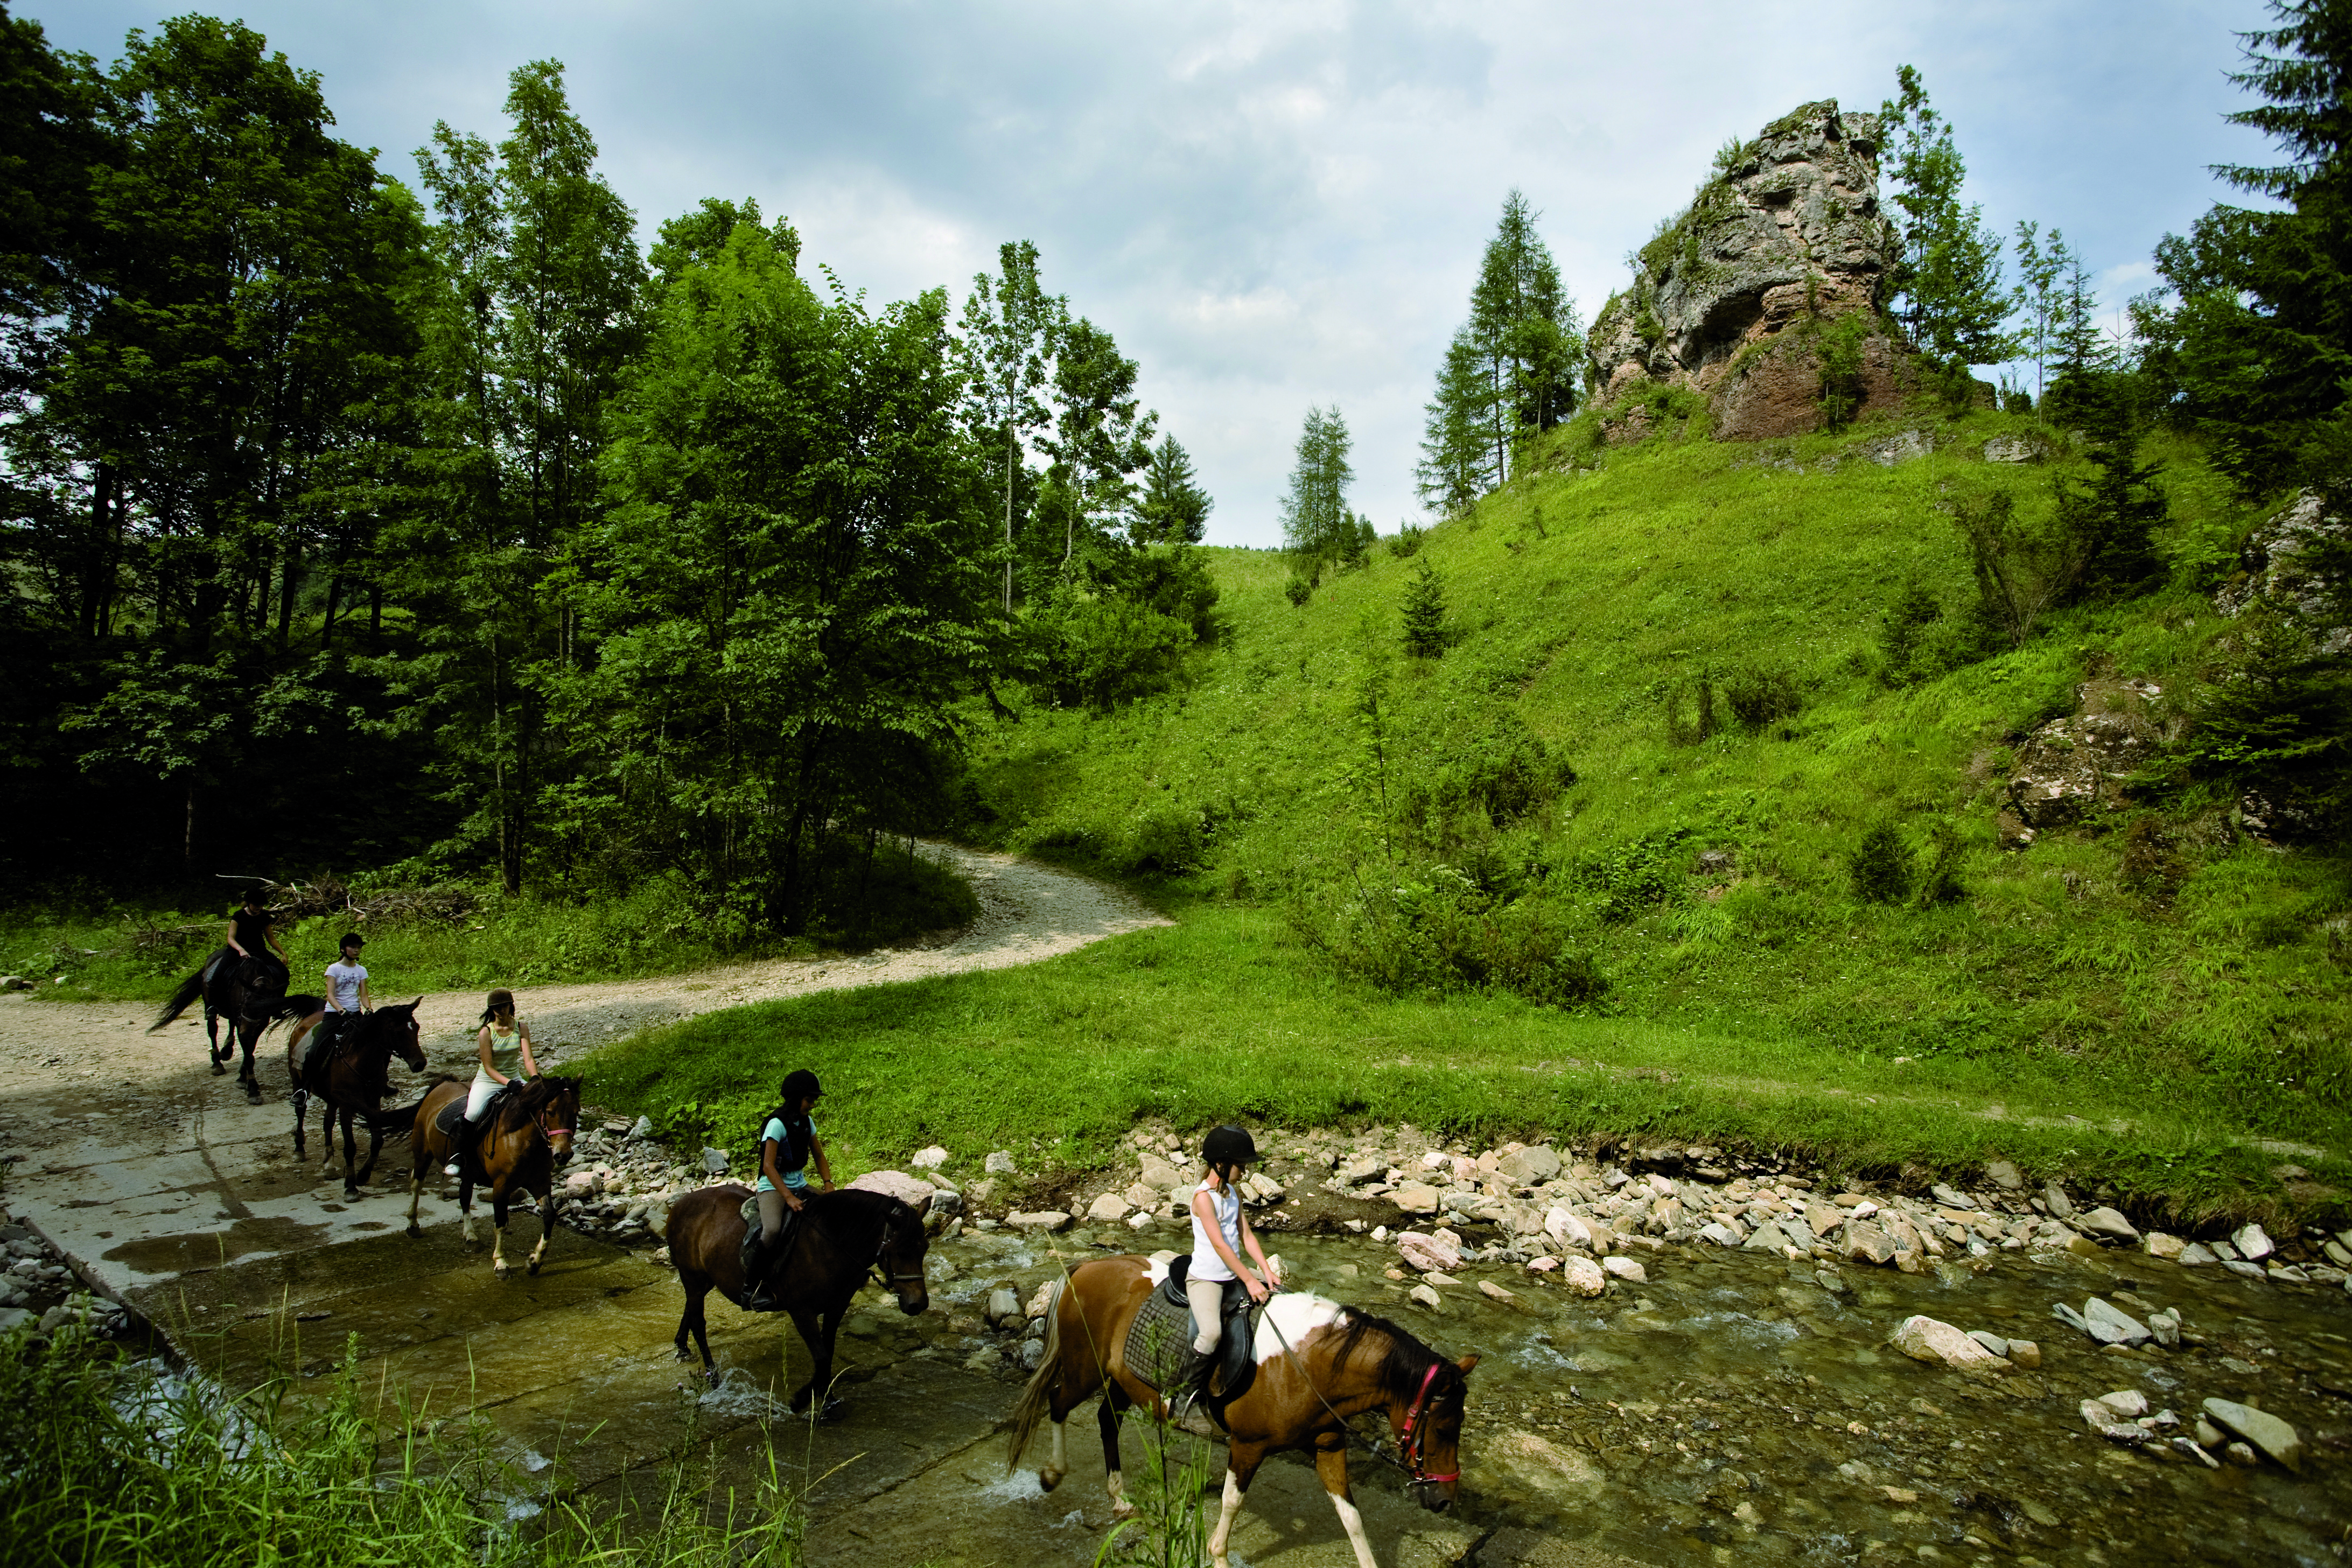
1465 1364
413 1006
924 1209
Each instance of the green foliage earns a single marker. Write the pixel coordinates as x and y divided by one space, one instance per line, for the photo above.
2275 717
1903 630
1174 509
1760 698
1882 867
1626 879
1946 282
1315 521
1010 324
112 1462
1407 541
1425 611
1940 884
1298 590
1509 370
1436 932
1838 346
1168 843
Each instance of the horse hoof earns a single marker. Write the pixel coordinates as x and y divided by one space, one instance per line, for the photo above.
1048 1479
833 1410
415 1231
218 1070
351 1194
710 1375
1122 1508
500 1270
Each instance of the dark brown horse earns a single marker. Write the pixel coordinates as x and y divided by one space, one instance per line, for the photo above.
842 1236
1319 1364
352 1081
248 991
530 1133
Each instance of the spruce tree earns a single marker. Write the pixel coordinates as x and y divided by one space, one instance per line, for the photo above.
1947 277
1425 611
1174 509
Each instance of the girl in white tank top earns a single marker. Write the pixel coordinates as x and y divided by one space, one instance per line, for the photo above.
1220 1234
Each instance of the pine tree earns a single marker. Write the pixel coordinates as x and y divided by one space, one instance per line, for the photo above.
1174 509
1315 521
1509 370
1947 279
1425 611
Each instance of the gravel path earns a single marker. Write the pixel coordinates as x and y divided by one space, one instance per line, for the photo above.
63 1056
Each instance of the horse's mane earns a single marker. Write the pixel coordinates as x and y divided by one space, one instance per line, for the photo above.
871 1210
526 1101
1400 1361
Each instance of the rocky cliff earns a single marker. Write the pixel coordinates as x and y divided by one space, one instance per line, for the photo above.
1735 296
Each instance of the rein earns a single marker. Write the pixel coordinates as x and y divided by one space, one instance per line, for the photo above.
889 1234
1409 1445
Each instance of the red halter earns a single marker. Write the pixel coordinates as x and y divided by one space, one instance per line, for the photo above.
1410 1444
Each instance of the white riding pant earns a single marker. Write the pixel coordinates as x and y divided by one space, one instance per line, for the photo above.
478 1095
1207 1299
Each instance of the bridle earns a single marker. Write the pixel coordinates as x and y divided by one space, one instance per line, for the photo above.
898 1215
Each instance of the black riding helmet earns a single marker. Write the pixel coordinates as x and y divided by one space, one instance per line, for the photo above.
1228 1145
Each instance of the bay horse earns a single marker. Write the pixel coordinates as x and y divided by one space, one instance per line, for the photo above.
531 1132
352 1081
251 993
1318 1365
843 1235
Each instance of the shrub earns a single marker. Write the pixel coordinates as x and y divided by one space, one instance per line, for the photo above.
1170 842
1636 876
1882 867
1437 931
1299 590
1942 884
1407 541
1838 348
1759 698
1098 652
1902 630
1424 613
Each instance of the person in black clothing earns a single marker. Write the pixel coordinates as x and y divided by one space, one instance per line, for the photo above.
252 939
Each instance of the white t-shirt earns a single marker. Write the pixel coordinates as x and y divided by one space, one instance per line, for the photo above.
343 986
1206 1264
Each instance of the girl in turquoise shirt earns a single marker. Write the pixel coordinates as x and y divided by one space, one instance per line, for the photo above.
788 1143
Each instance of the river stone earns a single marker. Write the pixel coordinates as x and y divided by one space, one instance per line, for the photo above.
1141 1196
1539 1465
1489 1288
1003 1305
929 1159
2239 1265
2210 1436
1951 1198
1766 1238
1583 1276
998 1163
2025 1353
1430 1254
1425 1294
1627 1269
1565 1228
1415 1197
2054 1198
1823 1219
2128 1404
714 1162
2111 1325
1529 1167
909 1190
2264 1430
1868 1244
1108 1208
1542 1265
1719 1233
1042 1219
2252 1243
2166 1327
2005 1176
1798 1233
1992 1342
2168 1247
1925 1338
1033 1353
2109 1222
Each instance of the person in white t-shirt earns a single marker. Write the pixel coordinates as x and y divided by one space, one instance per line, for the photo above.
1220 1232
347 999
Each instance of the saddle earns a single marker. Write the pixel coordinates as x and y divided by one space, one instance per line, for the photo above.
1160 1340
444 1120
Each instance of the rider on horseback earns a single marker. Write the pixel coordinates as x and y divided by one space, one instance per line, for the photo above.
252 939
788 1141
504 1045
347 998
1220 1231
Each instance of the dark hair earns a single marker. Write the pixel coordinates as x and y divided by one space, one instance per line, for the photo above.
500 1001
352 939
799 1085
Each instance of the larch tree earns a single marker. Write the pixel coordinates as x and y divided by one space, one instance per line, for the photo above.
1008 340
1315 521
1947 279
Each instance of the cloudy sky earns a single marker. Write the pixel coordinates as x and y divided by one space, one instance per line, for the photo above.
1274 206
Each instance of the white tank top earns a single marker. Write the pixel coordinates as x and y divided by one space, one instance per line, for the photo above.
1206 1264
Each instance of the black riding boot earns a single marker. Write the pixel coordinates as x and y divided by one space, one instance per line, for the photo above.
759 1294
1192 1382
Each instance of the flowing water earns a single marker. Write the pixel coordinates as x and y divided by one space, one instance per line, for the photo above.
1734 1406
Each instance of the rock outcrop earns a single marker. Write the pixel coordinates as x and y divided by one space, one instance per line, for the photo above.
2280 568
2071 767
1735 297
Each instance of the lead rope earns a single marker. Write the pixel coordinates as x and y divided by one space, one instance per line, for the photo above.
1348 1434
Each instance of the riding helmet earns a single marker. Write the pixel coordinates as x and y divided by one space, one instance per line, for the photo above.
1228 1145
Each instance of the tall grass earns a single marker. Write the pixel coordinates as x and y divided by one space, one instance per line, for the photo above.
104 1462
1170 1527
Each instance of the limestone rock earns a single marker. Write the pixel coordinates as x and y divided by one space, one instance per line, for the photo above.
1042 1219
910 1190
2252 1243
1425 1294
999 1164
2168 1247
1925 1338
2264 1430
1730 297
1428 1253
929 1159
1416 1198
2109 1222
1489 1288
1583 1276
714 1162
1529 1167
2025 1353
1627 1269
1003 1305
2071 765
1824 1219
2005 1175
1108 1208
1992 1342
2275 569
2015 449
1567 1229
2111 1325
2053 1198
1868 1244
1767 1237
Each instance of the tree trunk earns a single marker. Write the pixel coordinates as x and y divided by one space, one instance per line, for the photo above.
188 831
289 575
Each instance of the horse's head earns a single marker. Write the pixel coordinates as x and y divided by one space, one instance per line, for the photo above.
1430 1432
406 1038
904 1243
558 1114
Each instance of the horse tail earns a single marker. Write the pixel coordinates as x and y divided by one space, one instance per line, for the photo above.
1035 1397
190 989
287 1008
395 1124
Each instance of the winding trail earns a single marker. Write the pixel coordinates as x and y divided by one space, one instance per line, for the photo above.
121 1134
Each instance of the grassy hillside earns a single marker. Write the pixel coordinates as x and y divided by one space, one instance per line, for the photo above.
2187 1034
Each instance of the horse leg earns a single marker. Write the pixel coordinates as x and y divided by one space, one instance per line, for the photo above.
212 1040
1331 1468
375 1147
301 1115
465 1207
248 1036
546 1228
351 1154
690 1321
1106 1415
499 1231
415 1194
1241 1460
817 1334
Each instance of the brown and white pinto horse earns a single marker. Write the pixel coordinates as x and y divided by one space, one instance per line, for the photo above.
1338 1363
530 1133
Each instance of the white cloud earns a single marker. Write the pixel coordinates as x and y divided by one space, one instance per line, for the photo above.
1274 205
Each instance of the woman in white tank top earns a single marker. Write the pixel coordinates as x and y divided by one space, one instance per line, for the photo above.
1221 1233
504 1049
